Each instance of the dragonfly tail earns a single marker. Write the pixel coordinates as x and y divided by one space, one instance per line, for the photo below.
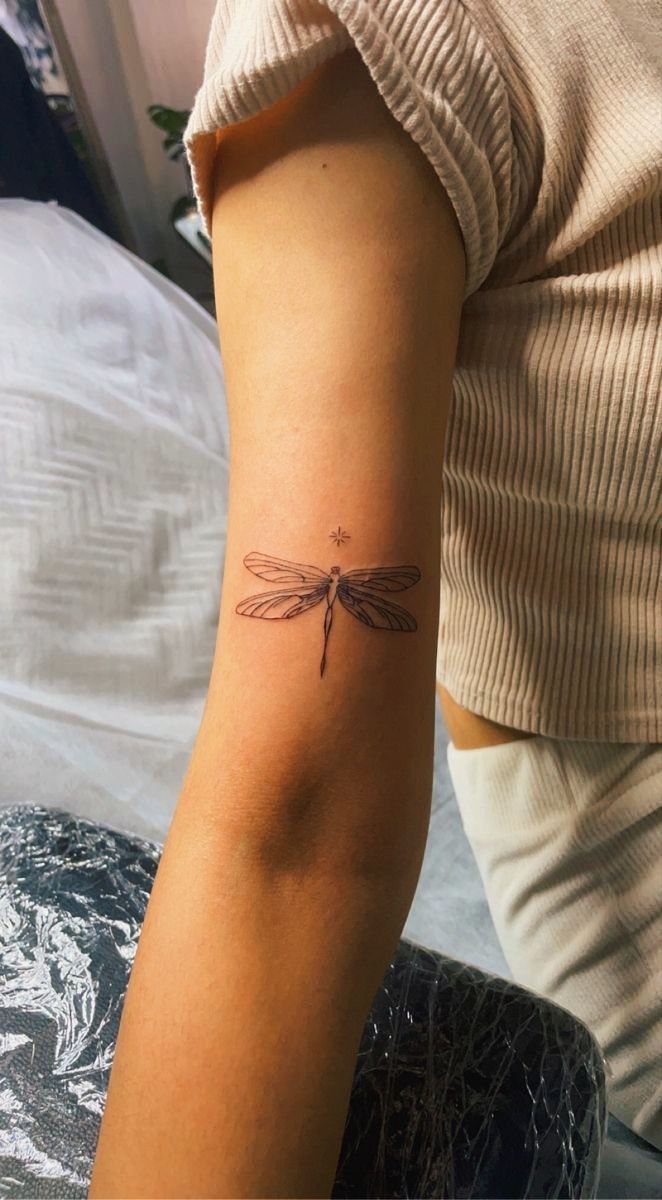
327 629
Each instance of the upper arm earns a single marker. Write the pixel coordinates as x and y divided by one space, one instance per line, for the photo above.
339 274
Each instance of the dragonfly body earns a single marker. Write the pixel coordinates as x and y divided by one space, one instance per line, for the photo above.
361 593
332 592
334 579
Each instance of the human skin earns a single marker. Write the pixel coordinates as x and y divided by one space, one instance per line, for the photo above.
468 730
297 841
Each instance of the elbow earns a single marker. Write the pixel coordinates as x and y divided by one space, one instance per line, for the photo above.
307 828
293 813
329 859
326 826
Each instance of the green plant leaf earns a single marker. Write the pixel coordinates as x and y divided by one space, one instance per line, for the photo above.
171 120
181 206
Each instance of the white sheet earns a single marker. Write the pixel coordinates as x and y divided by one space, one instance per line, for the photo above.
113 477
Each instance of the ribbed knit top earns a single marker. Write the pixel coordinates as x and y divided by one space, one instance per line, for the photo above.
543 121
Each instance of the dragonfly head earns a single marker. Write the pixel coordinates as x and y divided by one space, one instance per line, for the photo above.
334 571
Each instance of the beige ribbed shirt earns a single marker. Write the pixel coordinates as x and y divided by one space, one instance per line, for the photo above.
543 121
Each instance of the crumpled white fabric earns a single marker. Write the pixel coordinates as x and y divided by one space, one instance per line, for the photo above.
113 483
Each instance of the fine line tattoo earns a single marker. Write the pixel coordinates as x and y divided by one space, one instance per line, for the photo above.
340 536
359 592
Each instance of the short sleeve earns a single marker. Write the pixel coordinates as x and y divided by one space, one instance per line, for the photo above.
431 64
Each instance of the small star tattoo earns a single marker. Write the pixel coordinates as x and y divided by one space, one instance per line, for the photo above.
339 536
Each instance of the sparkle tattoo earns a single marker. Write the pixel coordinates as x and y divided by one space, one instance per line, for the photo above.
339 536
302 587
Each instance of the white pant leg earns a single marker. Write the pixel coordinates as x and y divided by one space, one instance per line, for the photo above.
568 839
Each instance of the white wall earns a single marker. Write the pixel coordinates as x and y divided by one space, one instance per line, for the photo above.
128 54
172 35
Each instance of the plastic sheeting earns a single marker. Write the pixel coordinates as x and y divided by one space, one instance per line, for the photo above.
466 1085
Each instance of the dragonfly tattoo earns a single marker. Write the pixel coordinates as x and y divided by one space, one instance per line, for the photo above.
303 586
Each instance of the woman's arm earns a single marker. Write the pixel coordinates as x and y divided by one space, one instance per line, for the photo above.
296 845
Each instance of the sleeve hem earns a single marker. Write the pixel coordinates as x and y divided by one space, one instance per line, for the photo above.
439 80
231 95
416 89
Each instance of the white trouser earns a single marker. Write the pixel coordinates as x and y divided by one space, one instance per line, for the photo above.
568 839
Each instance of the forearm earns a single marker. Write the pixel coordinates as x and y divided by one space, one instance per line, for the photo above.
256 968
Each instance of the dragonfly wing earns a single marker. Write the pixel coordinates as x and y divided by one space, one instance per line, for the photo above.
374 610
282 604
279 570
382 579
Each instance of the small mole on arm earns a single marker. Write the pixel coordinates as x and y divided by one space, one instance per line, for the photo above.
323 164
